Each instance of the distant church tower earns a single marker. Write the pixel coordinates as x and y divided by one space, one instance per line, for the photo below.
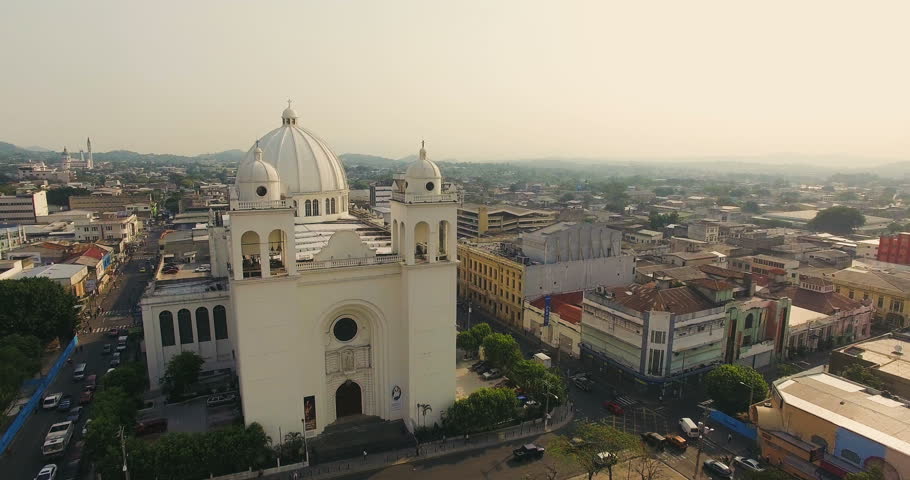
65 160
90 163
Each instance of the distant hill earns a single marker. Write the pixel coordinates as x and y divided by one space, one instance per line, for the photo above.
35 148
354 159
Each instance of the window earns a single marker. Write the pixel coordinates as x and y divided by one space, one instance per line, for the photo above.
748 321
333 206
316 208
747 340
655 362
308 210
261 191
203 330
221 331
328 207
185 326
850 293
897 306
865 296
850 456
658 337
881 302
166 325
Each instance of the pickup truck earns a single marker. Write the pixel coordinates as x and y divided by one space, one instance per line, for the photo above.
527 451
51 401
584 384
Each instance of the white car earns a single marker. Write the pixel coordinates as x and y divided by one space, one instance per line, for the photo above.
48 472
51 401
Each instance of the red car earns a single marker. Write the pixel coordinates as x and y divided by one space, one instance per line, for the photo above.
614 408
86 397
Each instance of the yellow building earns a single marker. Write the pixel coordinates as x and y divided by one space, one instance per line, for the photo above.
478 220
815 422
888 293
491 282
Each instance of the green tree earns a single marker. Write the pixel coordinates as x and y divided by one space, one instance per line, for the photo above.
538 381
729 387
480 332
789 197
874 473
837 220
20 358
565 197
471 340
182 372
501 350
664 191
588 441
847 196
660 220
129 377
860 374
751 207
895 227
61 196
482 410
38 307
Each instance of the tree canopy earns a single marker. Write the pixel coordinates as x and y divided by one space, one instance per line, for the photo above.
482 410
660 220
20 358
837 220
471 340
181 372
129 377
501 350
584 445
860 374
38 307
729 387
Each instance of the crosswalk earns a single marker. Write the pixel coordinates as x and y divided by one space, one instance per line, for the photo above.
625 401
109 327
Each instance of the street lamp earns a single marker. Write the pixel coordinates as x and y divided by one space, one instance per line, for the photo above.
702 431
751 389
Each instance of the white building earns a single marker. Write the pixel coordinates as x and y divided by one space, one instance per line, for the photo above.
23 209
108 226
40 171
328 317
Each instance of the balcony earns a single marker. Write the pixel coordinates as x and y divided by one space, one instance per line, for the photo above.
425 197
305 265
259 204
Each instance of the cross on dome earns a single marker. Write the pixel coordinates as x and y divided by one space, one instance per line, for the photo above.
289 116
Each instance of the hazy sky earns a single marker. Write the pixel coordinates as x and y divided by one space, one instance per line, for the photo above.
490 79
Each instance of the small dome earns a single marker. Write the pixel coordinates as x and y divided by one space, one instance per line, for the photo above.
257 180
423 167
289 113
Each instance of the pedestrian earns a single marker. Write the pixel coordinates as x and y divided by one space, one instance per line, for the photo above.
729 437
364 456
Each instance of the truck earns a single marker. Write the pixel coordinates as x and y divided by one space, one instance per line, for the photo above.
57 439
528 451
543 359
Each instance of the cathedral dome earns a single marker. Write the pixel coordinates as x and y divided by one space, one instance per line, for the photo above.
423 167
304 162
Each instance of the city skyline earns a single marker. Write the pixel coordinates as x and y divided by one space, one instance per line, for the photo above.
478 81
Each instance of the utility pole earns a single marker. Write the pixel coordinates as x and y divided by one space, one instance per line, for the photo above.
751 389
469 316
126 471
702 431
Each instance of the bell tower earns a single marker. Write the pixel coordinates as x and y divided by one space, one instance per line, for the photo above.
423 233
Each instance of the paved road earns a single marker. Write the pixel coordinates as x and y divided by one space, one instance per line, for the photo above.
23 459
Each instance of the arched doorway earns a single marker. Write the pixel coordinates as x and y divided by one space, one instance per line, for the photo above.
348 400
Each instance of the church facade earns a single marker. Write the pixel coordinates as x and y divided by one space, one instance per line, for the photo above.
330 316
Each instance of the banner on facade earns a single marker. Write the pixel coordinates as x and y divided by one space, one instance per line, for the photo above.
546 311
309 412
396 398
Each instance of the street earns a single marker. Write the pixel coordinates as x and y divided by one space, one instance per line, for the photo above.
24 459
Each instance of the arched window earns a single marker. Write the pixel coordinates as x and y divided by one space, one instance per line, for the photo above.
203 330
185 326
333 206
850 456
748 321
166 325
316 208
328 207
443 239
308 210
821 442
221 330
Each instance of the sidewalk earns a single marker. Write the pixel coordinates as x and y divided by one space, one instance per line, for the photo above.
626 470
561 417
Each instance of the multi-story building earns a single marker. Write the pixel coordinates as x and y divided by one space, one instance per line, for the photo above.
821 318
645 237
478 220
888 292
11 236
884 356
566 257
107 226
756 329
380 194
108 203
655 335
705 230
71 277
40 171
775 268
559 324
23 208
816 422
867 248
894 248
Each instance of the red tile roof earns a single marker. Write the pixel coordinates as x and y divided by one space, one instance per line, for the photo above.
566 305
721 272
711 284
645 298
819 302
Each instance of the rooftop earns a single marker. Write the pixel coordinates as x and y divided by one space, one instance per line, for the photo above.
648 297
54 271
850 406
567 305
882 352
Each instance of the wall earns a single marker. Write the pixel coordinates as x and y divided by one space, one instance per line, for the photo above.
568 333
578 275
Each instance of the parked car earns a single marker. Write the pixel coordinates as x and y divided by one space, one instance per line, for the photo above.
614 408
492 374
718 468
112 333
474 366
656 440
85 427
677 442
149 427
221 399
115 362
47 472
584 384
527 451
479 367
51 401
74 414
91 383
749 464
107 349
86 397
66 402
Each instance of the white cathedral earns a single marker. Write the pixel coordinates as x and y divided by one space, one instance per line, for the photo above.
328 320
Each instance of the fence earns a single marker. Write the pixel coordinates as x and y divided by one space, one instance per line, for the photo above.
36 397
740 428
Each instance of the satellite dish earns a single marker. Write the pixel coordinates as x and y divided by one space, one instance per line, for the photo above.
898 349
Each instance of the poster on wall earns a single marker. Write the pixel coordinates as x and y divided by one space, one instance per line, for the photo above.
396 398
309 412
